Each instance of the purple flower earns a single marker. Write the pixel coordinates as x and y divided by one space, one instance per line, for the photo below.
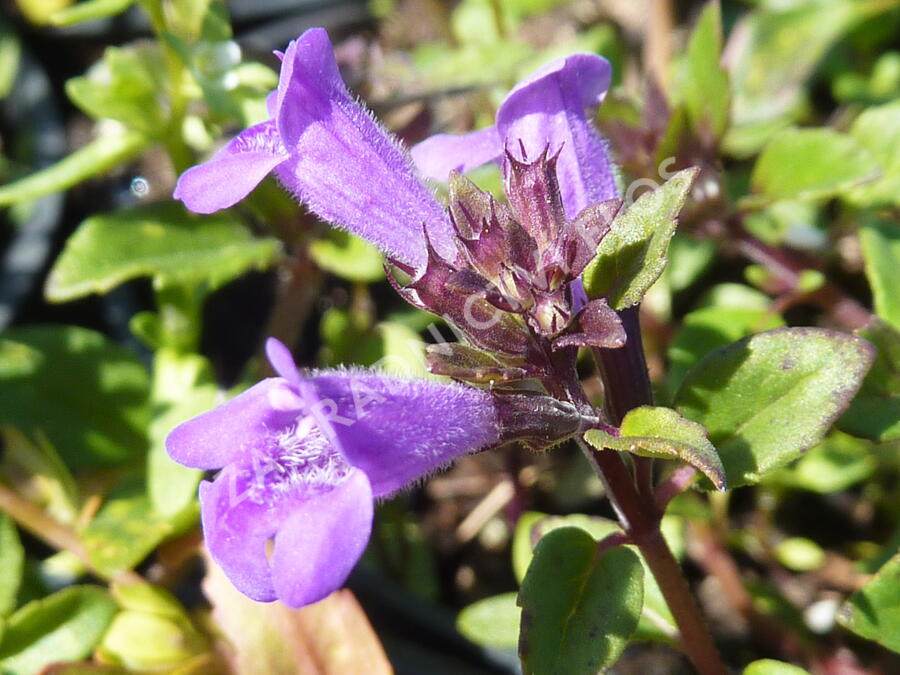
332 155
545 110
303 459
335 158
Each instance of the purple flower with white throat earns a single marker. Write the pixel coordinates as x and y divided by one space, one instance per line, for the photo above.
302 461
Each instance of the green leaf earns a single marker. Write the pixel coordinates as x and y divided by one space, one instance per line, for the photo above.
125 86
689 259
12 562
185 17
663 433
152 632
89 10
10 59
632 256
800 554
836 464
773 667
875 411
881 251
525 538
98 156
87 395
874 610
709 328
62 627
878 130
768 398
37 470
162 241
492 622
705 83
127 529
772 62
579 609
797 223
148 642
348 257
810 164
656 622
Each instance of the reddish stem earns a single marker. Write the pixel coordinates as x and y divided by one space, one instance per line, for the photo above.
680 480
640 520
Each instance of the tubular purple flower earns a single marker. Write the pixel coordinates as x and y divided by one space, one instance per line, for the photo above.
303 459
545 110
327 150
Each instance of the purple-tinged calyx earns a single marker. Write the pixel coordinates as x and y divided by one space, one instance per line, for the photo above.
537 421
302 460
505 276
518 260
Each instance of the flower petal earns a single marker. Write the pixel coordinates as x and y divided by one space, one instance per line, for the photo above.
437 156
321 541
233 171
548 108
237 531
399 430
216 438
344 166
282 361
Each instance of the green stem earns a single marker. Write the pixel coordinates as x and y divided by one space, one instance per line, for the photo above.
173 138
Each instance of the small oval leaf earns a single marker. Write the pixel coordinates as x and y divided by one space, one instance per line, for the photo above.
12 562
162 241
874 610
492 622
96 157
579 609
663 433
768 398
632 255
64 626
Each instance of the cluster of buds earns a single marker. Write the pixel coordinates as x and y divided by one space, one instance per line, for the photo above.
513 288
